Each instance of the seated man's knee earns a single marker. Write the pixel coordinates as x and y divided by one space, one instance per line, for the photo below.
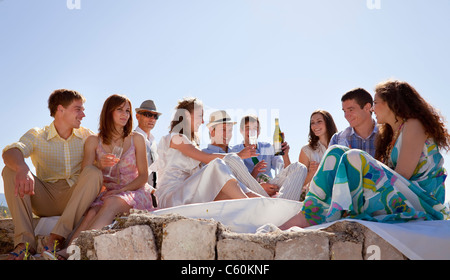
9 178
298 166
8 173
92 172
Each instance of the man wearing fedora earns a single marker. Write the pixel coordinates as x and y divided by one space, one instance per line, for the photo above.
220 131
287 182
220 128
147 115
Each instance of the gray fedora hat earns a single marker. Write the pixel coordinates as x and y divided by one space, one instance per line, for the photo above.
148 105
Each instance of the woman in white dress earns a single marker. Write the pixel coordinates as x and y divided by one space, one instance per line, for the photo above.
181 177
321 129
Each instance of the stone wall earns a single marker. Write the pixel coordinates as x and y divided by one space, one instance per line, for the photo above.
174 237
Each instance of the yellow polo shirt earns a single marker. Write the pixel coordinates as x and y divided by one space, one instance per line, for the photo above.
53 157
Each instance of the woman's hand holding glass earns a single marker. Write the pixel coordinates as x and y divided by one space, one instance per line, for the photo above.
110 160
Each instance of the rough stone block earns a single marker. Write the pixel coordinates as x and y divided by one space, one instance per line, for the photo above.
344 250
132 243
7 234
376 248
236 249
308 245
189 239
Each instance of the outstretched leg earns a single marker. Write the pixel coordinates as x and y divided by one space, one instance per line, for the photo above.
241 173
231 190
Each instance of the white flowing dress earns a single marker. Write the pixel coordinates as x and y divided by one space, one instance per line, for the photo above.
181 179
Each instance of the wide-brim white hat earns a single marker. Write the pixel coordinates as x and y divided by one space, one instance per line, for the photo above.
219 117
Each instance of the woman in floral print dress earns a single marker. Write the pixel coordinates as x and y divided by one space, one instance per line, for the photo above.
405 180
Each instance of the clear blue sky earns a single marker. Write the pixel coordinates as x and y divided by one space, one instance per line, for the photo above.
275 58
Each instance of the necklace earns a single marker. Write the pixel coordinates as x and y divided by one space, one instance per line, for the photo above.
390 147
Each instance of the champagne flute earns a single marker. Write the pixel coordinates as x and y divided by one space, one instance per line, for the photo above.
253 137
253 140
116 153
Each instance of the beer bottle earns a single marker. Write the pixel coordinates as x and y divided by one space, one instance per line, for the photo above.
278 139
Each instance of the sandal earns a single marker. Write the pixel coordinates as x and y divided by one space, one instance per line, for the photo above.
22 254
52 255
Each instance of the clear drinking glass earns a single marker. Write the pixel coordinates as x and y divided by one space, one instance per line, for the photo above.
117 153
253 137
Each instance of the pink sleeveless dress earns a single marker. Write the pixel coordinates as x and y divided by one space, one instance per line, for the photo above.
125 171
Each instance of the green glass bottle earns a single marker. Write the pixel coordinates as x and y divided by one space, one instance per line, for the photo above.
255 160
278 139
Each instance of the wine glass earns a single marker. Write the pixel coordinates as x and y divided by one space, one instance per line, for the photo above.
253 137
253 140
117 153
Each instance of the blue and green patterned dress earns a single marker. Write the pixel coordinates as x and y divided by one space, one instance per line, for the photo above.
352 184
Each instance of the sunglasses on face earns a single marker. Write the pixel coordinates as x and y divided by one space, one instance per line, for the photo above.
149 115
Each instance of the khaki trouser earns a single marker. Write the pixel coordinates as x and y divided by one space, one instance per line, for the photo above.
51 199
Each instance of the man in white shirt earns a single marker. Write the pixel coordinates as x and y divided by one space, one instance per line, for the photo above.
147 115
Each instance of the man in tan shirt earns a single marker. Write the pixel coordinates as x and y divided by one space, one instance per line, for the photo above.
59 187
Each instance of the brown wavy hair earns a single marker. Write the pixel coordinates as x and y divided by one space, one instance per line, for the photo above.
406 103
180 124
330 126
106 126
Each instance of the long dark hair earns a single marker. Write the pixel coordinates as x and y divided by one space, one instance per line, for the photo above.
181 123
406 103
106 126
330 125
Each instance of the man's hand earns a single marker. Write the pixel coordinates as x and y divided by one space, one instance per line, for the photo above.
14 159
259 167
270 189
248 152
24 183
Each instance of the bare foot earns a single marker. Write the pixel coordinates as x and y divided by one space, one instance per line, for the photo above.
54 243
296 221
